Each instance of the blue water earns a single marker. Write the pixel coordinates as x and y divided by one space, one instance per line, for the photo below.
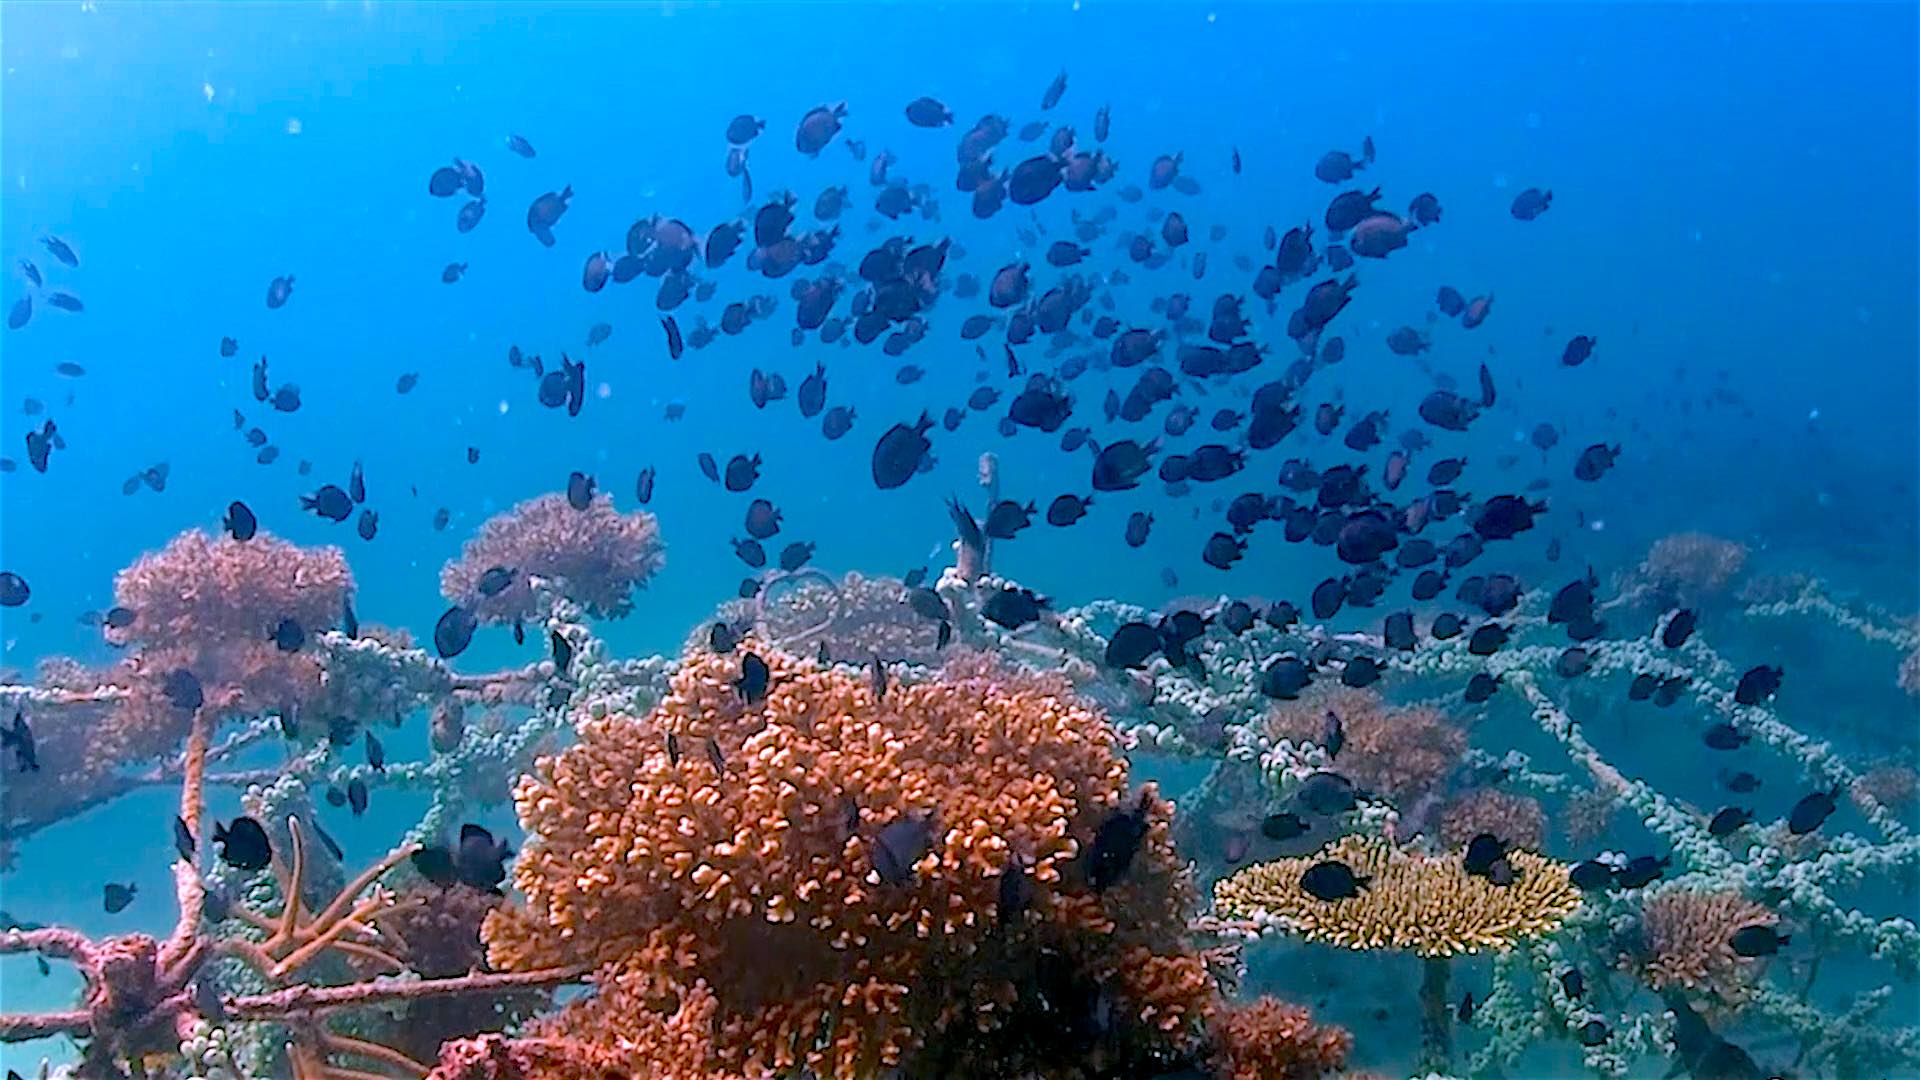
1733 219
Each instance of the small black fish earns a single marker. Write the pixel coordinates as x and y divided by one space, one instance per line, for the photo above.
376 754
243 844
1115 844
899 846
1284 825
1758 684
1574 983
240 522
1591 875
643 486
20 739
721 638
1812 811
1465 1013
1012 607
1641 871
562 653
1331 880
183 690
357 796
287 635
183 841
1729 821
117 897
1678 628
1481 687
1131 645
579 490
329 502
753 680
1593 1032
1325 794
1486 857
1724 736
454 631
1749 941
494 581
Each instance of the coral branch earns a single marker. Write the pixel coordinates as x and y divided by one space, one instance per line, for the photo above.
306 1000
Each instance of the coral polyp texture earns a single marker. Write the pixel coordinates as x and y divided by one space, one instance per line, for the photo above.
1684 940
595 557
1424 904
861 880
1517 820
1402 752
1267 1039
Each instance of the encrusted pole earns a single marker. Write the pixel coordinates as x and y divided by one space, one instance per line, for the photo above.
1436 1015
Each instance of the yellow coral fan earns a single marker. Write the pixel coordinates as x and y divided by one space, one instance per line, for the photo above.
1426 904
739 845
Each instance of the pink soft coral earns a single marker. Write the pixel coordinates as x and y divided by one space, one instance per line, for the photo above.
595 557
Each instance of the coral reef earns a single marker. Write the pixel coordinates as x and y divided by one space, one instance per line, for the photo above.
1268 1039
435 932
1515 819
851 620
1683 939
1424 904
1693 568
896 868
594 557
1402 753
838 866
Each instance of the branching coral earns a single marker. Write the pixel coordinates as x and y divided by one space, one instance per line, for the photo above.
436 932
850 621
742 842
1424 904
1516 819
1684 940
1267 1039
1401 753
595 557
1693 568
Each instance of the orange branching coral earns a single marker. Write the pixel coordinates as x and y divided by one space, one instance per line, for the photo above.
1402 753
1269 1039
1517 819
850 621
595 557
1695 567
738 845
663 1037
1685 941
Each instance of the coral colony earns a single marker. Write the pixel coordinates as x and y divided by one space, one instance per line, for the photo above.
862 828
